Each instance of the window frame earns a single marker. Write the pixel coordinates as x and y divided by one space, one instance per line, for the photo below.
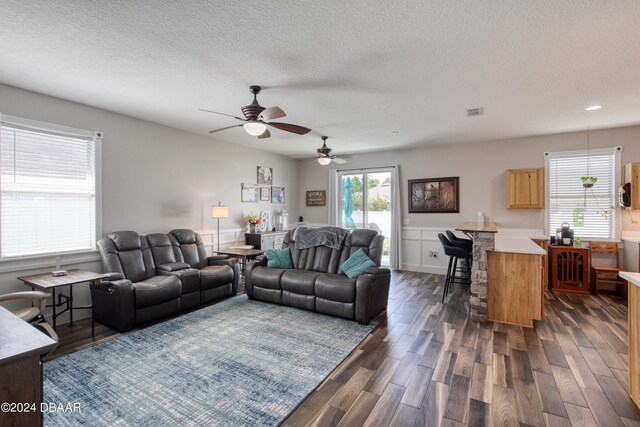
617 181
55 258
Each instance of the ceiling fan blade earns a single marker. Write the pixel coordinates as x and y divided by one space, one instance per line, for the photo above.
288 127
228 127
272 113
223 114
339 161
265 134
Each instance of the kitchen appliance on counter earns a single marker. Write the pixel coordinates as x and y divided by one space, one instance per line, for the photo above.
624 195
564 235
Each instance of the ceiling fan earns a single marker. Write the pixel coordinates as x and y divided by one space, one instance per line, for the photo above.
257 118
324 154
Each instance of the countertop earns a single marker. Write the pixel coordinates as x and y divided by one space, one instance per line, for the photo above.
486 227
517 245
19 339
631 277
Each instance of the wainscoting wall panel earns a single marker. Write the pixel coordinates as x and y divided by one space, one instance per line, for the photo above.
422 250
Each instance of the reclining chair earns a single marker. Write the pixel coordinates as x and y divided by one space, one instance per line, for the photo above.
33 315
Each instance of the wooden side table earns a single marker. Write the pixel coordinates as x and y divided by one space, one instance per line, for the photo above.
47 281
570 269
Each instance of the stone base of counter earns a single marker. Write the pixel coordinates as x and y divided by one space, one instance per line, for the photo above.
482 242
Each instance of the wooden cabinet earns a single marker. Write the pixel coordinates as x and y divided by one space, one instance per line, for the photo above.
632 175
570 269
525 188
544 244
264 241
515 289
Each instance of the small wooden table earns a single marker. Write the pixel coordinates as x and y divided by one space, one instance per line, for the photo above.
242 254
47 281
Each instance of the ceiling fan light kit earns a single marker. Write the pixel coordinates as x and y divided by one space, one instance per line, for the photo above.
324 154
257 118
255 128
324 160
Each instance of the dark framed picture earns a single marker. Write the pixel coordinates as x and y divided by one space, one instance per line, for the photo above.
434 195
265 175
265 194
316 198
277 195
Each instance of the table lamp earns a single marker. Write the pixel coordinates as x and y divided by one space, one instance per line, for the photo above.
219 211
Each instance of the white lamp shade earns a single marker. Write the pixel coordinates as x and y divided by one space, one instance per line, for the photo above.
255 128
324 160
219 211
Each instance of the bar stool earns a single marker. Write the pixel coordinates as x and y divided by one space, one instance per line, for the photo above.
454 253
466 244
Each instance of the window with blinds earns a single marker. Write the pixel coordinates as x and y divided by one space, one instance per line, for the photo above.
588 212
47 188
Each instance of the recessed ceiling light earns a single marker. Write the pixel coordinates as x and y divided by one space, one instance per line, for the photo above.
593 107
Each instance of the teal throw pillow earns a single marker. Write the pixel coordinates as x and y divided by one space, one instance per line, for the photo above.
278 258
357 264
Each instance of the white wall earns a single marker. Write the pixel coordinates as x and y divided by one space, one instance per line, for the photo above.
481 168
155 178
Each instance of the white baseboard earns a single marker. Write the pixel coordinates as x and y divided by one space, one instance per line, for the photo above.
424 268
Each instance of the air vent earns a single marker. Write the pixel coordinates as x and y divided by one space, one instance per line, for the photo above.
472 112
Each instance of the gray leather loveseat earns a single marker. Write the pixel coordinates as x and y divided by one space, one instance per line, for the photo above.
317 283
158 275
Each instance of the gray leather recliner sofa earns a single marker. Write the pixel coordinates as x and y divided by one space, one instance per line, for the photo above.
155 276
317 283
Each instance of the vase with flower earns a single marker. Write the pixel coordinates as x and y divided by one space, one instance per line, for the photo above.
252 220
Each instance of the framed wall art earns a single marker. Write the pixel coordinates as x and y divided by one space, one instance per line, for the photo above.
277 195
265 194
316 198
250 193
434 195
265 175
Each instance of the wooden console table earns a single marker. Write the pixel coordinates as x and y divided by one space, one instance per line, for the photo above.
570 269
21 369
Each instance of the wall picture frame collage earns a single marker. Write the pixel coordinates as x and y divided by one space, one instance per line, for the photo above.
263 190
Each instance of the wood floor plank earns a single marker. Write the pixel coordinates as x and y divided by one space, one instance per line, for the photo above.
551 420
505 409
527 401
435 403
465 362
329 417
568 388
405 416
501 343
554 353
580 416
502 375
313 405
385 407
360 410
443 371
482 383
595 362
549 395
619 398
480 414
348 393
382 375
417 387
458 401
521 368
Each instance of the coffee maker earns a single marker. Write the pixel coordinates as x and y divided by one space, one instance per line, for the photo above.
564 235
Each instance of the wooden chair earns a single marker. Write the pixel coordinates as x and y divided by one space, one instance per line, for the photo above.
606 274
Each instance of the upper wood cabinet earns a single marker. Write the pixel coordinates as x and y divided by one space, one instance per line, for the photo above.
632 175
525 188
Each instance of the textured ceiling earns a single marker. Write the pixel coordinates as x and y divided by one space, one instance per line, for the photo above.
353 70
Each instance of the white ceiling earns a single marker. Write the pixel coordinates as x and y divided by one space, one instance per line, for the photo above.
353 70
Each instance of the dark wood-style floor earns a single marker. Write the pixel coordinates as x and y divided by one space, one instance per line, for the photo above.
426 363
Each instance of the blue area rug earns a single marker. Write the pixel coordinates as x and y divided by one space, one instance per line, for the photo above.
235 363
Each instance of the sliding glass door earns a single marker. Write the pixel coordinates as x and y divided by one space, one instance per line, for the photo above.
365 202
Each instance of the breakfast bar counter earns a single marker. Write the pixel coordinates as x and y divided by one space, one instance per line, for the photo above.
634 334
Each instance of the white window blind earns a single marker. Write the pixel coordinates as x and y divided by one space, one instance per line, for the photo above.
47 188
589 213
